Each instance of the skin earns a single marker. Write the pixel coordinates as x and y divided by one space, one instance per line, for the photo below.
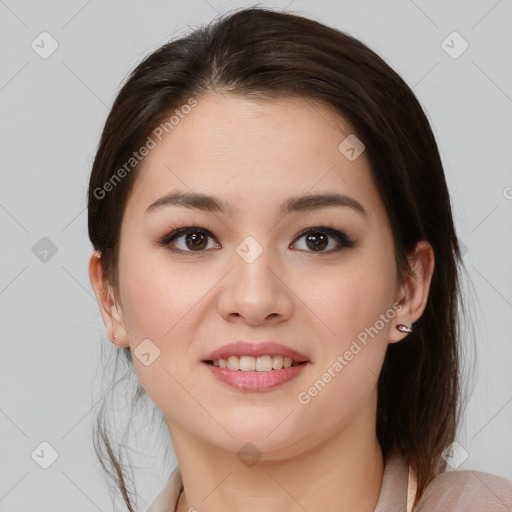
320 456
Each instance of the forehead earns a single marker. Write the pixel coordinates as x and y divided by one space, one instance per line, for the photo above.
251 151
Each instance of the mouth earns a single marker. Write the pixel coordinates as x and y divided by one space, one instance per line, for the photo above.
266 363
255 367
255 374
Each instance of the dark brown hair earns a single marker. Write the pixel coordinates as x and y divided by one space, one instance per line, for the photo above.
265 54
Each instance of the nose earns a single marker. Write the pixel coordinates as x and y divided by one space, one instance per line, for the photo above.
255 293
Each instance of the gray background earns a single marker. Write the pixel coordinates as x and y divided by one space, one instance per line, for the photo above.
52 113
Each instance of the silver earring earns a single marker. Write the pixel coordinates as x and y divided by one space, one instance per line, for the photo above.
115 335
404 328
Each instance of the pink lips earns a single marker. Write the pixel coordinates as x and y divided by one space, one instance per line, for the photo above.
243 348
255 380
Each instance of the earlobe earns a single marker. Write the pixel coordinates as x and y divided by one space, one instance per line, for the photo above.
112 316
414 291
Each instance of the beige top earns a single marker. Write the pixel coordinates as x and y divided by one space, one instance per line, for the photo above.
451 491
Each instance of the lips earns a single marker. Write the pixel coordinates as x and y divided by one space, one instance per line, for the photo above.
244 348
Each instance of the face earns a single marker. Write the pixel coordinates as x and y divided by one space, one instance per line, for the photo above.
318 277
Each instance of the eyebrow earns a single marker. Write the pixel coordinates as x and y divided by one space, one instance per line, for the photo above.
303 203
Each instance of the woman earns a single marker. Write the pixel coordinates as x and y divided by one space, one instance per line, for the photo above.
276 257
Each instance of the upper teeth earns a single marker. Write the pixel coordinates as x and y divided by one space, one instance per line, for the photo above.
260 364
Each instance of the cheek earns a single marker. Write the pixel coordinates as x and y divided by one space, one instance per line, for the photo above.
350 301
355 314
158 297
162 303
345 376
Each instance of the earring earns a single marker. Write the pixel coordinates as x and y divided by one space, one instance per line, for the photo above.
404 328
115 335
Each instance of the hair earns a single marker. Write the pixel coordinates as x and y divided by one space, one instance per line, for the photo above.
263 54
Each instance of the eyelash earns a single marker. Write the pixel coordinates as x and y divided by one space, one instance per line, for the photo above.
339 236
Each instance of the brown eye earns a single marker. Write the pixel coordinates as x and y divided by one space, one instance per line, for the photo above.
317 239
189 239
196 240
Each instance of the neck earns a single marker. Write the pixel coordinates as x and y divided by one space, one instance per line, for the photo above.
342 473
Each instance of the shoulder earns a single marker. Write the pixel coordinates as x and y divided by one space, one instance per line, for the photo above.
467 491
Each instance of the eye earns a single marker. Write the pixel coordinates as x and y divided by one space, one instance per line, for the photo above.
317 239
194 239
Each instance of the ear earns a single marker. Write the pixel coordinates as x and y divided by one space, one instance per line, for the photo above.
413 293
112 314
